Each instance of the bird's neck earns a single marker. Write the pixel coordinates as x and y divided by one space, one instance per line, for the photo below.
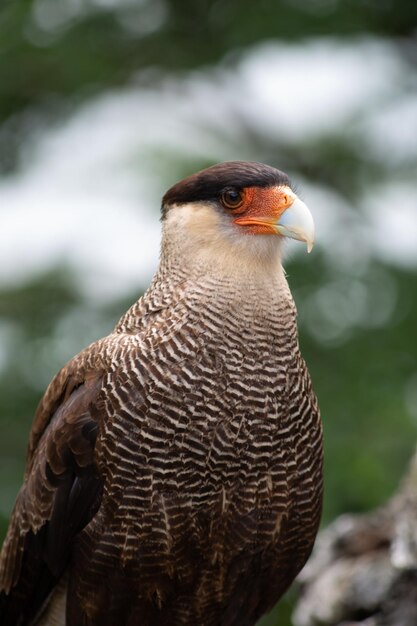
210 247
248 277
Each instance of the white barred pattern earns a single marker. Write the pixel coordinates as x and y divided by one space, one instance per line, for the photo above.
211 452
201 494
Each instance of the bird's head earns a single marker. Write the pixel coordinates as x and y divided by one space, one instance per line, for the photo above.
235 209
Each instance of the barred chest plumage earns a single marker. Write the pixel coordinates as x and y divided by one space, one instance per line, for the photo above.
212 453
174 470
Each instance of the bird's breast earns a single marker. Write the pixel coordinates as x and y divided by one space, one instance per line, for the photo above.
200 424
207 476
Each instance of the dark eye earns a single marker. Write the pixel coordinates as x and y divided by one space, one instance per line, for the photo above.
232 198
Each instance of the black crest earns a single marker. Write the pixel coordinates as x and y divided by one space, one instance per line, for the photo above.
208 184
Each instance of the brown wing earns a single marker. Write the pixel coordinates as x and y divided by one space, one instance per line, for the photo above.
60 494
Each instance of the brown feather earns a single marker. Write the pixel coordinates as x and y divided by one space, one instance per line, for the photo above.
174 467
60 495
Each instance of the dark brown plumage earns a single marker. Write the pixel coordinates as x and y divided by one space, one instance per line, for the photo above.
174 467
208 184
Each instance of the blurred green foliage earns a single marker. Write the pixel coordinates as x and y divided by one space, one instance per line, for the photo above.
55 54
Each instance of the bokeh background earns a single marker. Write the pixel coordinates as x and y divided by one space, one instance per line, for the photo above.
105 103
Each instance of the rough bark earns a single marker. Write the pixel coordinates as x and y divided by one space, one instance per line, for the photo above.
363 570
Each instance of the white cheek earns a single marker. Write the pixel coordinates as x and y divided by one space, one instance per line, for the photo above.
205 234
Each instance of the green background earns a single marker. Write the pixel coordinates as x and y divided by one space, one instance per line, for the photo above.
365 369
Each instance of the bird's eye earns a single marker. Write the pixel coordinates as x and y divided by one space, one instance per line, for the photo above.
232 198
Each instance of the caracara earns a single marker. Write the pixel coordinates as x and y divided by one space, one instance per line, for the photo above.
174 469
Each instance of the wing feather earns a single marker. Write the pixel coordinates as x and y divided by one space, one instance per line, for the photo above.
60 494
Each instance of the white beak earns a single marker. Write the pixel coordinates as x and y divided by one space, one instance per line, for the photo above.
297 223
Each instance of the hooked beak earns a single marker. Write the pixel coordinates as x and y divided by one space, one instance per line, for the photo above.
296 222
281 213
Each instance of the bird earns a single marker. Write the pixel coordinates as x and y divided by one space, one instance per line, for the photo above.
174 467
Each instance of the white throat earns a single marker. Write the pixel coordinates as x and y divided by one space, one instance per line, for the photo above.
196 235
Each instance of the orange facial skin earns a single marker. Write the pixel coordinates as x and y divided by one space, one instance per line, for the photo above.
262 207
